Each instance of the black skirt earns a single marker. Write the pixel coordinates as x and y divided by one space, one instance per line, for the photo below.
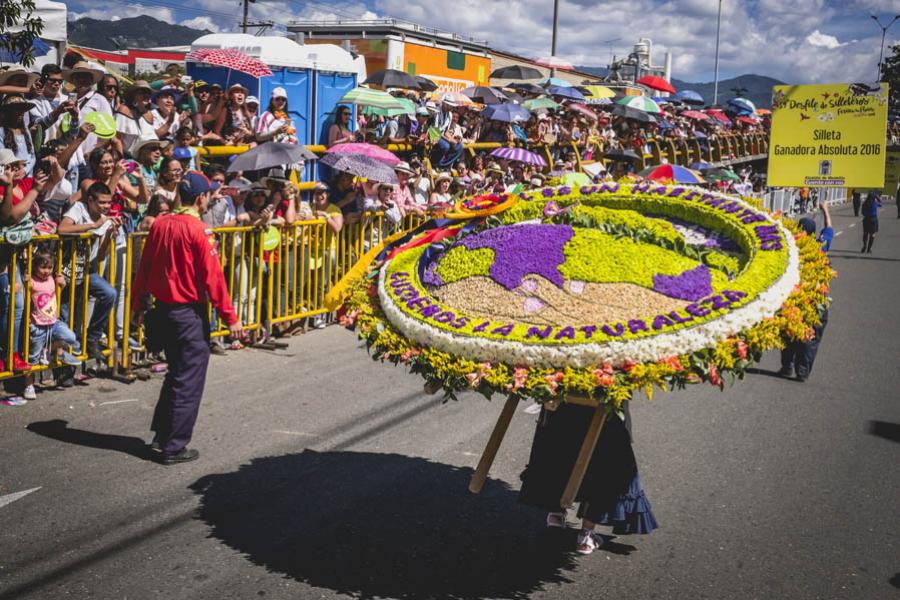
870 224
611 492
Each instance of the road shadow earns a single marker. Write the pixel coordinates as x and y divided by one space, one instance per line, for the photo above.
884 429
767 373
385 525
859 256
59 429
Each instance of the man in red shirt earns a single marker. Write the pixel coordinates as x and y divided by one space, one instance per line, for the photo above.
180 268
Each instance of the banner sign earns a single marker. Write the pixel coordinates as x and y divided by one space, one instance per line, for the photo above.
831 135
891 173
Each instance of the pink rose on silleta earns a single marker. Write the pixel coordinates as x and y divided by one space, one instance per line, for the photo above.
520 374
554 380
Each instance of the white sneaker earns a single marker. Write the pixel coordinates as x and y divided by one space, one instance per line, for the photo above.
588 541
29 393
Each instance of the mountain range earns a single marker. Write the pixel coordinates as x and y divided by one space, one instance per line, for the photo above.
146 32
133 32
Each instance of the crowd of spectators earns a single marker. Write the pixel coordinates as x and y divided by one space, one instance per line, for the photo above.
67 171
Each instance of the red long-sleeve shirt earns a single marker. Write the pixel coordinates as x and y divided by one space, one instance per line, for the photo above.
180 265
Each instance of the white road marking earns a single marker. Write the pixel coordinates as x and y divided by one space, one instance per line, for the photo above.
301 433
532 409
117 401
10 498
852 224
837 233
471 454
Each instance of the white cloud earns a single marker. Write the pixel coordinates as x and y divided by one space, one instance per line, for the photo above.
114 11
203 23
823 40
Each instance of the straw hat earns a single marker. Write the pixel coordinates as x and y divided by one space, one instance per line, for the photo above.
404 167
494 168
15 104
7 157
138 85
236 87
443 176
17 71
82 67
146 142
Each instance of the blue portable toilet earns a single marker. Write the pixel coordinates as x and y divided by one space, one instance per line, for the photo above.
283 56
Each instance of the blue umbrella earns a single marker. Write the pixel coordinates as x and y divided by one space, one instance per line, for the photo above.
665 125
38 48
700 166
742 106
690 97
565 92
554 81
509 113
666 100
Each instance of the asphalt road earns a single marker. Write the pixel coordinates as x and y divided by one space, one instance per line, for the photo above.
324 474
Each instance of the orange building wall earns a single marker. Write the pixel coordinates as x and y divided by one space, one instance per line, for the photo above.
432 63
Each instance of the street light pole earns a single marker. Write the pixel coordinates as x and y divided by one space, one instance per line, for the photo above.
718 31
884 29
553 43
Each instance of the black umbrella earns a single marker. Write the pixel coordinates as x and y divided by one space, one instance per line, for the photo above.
270 154
527 88
361 166
516 72
391 78
632 113
621 155
484 95
514 97
425 84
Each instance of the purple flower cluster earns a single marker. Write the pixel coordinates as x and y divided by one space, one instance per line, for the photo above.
692 284
521 250
431 276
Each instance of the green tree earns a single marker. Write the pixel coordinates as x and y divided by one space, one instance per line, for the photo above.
19 14
890 73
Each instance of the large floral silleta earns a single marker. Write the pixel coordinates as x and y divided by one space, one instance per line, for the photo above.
594 292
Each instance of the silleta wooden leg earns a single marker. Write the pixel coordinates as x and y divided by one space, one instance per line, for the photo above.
584 458
490 451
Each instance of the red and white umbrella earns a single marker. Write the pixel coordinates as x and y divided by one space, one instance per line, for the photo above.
231 59
656 83
554 62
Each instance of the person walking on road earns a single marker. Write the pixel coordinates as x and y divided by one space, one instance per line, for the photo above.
180 268
797 355
857 202
870 221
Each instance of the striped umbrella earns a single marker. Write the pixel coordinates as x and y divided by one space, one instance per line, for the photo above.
367 97
674 173
408 108
520 155
742 106
582 110
370 150
540 103
640 103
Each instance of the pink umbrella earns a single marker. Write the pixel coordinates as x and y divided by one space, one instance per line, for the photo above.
370 150
694 114
554 62
231 59
582 110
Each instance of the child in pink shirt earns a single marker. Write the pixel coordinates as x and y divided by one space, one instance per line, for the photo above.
47 332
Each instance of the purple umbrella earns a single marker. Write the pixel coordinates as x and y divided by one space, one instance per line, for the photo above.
361 166
509 113
520 155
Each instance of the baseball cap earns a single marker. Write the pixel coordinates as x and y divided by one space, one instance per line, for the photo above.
279 92
195 183
252 100
182 153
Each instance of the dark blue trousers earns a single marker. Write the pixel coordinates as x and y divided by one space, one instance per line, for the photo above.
801 355
187 353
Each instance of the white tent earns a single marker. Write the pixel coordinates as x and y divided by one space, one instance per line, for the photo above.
55 32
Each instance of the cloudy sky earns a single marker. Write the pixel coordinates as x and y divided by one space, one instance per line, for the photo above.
797 41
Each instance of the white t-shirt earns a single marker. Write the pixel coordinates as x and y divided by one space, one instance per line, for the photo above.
81 216
90 102
159 121
43 108
422 191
